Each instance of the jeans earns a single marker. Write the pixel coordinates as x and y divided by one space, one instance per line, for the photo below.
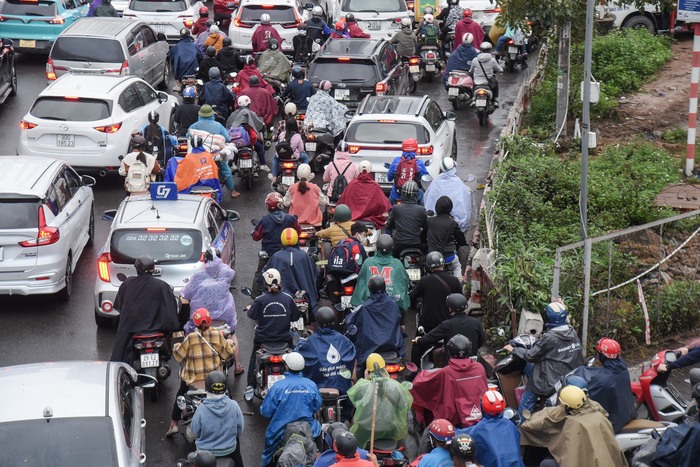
260 150
226 174
252 380
529 398
275 162
502 40
454 267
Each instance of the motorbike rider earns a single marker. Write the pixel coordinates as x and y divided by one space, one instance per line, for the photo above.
463 451
404 168
689 356
345 445
316 28
186 113
556 353
197 168
184 58
305 200
145 304
249 70
204 35
570 430
354 29
274 65
302 44
138 145
441 433
208 62
295 398
290 145
365 197
215 93
497 439
215 39
428 31
341 164
299 90
461 58
468 25
159 142
604 383
228 57
392 404
340 30
262 101
202 351
378 322
340 227
332 455
449 16
445 235
484 70
254 125
325 112
106 10
405 39
516 33
201 24
408 220
263 33
449 184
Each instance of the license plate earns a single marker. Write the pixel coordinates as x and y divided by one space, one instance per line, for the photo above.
1 251
272 379
345 301
481 102
27 44
380 177
429 67
245 163
65 141
298 324
342 94
375 25
312 146
289 181
158 27
414 69
413 274
512 50
453 92
149 360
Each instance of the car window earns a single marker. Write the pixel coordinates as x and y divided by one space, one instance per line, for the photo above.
139 40
390 57
434 115
158 6
146 92
278 14
350 72
71 109
92 49
24 8
386 132
73 180
18 213
171 246
216 219
126 406
63 194
212 226
380 6
129 99
131 43
149 37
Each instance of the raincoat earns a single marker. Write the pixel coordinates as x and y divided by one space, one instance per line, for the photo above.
298 272
438 457
460 59
394 274
378 323
262 35
584 439
325 112
275 64
449 184
466 25
497 442
269 230
197 168
308 206
393 404
299 448
244 115
366 200
453 393
244 76
261 102
685 454
217 423
341 162
292 399
405 41
327 352
391 172
210 288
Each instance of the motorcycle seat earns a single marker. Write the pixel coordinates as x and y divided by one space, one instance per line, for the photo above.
197 386
640 424
389 355
329 393
407 251
151 335
275 347
386 445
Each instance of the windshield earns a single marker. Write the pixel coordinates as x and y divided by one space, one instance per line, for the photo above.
386 132
171 246
158 6
379 6
349 72
19 214
278 14
87 50
58 442
14 7
70 109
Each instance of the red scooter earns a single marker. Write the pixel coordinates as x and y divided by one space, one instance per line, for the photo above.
656 397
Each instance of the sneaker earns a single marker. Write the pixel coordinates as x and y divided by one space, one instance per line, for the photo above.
271 177
264 168
496 104
248 394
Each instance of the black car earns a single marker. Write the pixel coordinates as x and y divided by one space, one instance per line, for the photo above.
8 73
360 67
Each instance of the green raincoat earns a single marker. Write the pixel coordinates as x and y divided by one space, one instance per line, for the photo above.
394 274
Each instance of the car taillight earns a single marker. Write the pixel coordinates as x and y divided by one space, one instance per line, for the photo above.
380 88
291 25
113 128
348 290
276 358
425 151
45 236
57 20
240 24
188 21
124 70
50 73
25 125
2 19
493 10
343 59
410 5
354 149
103 267
413 60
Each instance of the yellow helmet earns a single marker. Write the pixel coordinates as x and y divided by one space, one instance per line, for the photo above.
375 362
572 397
289 237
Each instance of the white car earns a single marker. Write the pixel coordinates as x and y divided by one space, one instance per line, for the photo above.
166 16
88 120
285 16
378 18
46 222
484 12
382 123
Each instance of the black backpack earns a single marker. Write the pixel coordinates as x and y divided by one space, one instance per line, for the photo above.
340 183
284 150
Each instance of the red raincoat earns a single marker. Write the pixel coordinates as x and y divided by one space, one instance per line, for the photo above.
262 34
466 25
453 393
244 76
262 103
366 200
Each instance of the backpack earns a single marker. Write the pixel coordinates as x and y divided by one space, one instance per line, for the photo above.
431 33
284 150
340 183
138 178
239 137
405 171
342 259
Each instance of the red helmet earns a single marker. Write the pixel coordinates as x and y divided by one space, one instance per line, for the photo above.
609 347
340 26
273 201
201 315
467 13
493 403
204 11
442 430
409 145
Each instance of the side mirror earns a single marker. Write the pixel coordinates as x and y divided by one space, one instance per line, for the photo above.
109 215
309 6
351 330
425 181
162 97
450 116
232 215
246 291
146 381
590 361
349 114
694 376
231 5
7 42
88 180
254 222
161 36
501 331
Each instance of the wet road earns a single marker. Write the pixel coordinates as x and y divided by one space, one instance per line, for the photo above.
35 329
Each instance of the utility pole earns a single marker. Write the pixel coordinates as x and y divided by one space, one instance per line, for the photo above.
563 78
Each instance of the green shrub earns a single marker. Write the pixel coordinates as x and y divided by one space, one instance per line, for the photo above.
680 308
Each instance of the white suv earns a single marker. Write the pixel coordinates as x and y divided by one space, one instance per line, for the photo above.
378 18
285 16
46 222
166 16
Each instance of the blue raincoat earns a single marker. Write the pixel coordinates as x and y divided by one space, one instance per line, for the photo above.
185 57
460 59
395 196
298 272
497 442
449 184
326 352
210 288
295 398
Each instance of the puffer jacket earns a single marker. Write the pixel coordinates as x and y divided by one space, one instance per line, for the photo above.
405 42
490 66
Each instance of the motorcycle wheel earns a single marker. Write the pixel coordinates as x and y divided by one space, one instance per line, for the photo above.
429 77
457 103
249 183
154 394
412 87
510 66
483 117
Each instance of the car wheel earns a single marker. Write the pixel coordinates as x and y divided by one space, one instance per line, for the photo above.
91 229
165 83
65 293
104 322
640 22
14 79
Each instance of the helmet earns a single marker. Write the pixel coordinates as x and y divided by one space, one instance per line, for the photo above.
325 317
201 315
342 147
573 380
442 430
289 237
492 403
454 2
214 29
203 11
304 172
202 458
556 313
144 265
434 260
467 38
467 13
211 253
513 415
409 190
196 141
376 284
153 116
137 141
214 72
342 213
290 108
325 85
409 145
572 397
272 278
211 51
695 393
189 93
317 11
459 346
250 60
428 11
428 18
294 360
345 444
264 18
350 18
464 447
406 23
243 101
608 347
215 382
456 302
340 26
273 200
273 44
227 42
375 360
447 164
210 23
485 47
385 244
184 32
297 72
365 167
254 81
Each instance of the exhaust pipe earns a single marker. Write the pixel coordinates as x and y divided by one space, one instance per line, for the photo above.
103 173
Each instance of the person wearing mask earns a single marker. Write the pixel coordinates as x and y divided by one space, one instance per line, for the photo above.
408 220
556 353
484 70
404 168
274 65
302 45
445 235
354 29
216 94
305 200
263 34
440 434
340 30
145 165
184 58
254 125
468 25
405 40
365 198
332 455
341 165
208 62
262 101
201 24
316 28
249 70
202 351
145 304
324 111
106 10
340 228
215 39
461 58
290 145
186 113
228 57
159 142
299 90
197 168
449 184
449 17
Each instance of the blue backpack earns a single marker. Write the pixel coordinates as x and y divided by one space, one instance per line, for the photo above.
342 259
239 137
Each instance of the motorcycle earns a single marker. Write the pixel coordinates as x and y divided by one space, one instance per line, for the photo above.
191 80
395 365
412 259
448 44
656 398
483 102
414 70
430 64
331 406
248 167
151 357
287 175
269 366
460 89
231 82
511 54
320 148
509 371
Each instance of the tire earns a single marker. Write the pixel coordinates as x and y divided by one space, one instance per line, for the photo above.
249 183
65 293
165 79
413 86
14 79
429 77
103 322
91 228
171 122
483 118
510 66
640 22
456 104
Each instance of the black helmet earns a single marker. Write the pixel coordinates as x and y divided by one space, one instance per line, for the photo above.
273 44
227 42
459 346
138 141
144 265
211 51
153 116
214 72
215 382
434 260
297 72
456 302
184 32
325 317
385 244
202 459
409 190
345 444
350 18
463 446
211 253
253 81
376 284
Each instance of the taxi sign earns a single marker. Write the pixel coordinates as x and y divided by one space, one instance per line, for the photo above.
163 191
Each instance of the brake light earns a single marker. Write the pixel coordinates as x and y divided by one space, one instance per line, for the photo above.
354 149
425 151
330 413
276 358
481 92
410 5
304 235
393 368
343 59
397 20
510 42
430 55
71 98
188 22
124 70
156 229
113 128
240 24
57 20
288 165
50 72
380 88
103 267
387 121
45 236
454 80
311 136
493 10
413 60
25 125
348 290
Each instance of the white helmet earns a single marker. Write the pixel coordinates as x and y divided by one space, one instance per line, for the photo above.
294 360
485 47
467 38
264 18
290 108
214 29
304 172
243 101
272 278
428 18
406 23
317 11
447 164
366 167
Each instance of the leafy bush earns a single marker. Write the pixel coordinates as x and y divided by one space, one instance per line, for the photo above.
680 302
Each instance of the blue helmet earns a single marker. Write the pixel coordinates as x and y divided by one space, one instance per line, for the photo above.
573 380
556 313
189 93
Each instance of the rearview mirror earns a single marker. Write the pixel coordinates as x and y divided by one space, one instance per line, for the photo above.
425 181
246 291
232 215
694 376
7 42
146 381
254 222
162 97
88 180
109 215
351 330
590 361
450 116
309 6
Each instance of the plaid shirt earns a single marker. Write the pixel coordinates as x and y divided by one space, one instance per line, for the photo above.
196 357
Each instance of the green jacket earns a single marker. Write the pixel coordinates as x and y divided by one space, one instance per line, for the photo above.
106 9
394 274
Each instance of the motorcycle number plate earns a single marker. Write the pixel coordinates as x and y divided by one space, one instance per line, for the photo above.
414 69
310 146
429 67
380 177
289 180
272 379
245 163
413 274
512 50
453 92
150 360
345 301
298 324
481 102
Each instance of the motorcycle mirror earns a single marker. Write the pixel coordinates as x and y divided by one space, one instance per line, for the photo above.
527 415
339 307
590 361
425 181
351 330
246 291
470 178
254 222
387 165
412 367
345 373
694 376
395 298
501 331
109 215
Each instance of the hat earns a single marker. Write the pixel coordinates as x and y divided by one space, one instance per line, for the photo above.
294 361
206 111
